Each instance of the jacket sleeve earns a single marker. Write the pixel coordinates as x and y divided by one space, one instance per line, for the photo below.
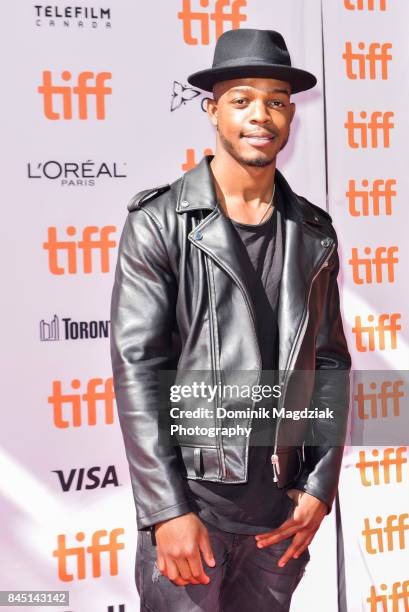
323 456
142 318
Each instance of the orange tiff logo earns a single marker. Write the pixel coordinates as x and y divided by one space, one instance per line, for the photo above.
69 408
366 201
225 11
87 245
386 329
83 90
376 537
370 469
362 5
384 259
378 124
377 56
191 158
94 551
379 401
399 592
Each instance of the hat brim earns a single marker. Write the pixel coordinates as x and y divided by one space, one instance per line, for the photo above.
300 80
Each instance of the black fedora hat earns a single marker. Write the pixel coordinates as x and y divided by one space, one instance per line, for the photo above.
247 52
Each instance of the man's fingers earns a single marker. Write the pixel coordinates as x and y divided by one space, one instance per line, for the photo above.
283 529
180 543
196 568
263 536
303 546
206 549
185 571
277 537
160 562
298 542
172 573
286 556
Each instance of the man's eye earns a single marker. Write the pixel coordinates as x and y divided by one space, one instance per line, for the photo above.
241 101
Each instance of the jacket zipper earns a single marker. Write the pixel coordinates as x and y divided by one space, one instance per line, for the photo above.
252 317
291 359
216 370
253 322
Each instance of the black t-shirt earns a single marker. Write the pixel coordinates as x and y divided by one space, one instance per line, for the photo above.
257 505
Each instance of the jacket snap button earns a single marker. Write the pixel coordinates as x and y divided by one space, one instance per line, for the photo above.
326 242
198 235
184 203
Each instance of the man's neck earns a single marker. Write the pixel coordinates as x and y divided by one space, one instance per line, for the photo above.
238 183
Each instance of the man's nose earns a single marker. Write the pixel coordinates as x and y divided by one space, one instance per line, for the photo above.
259 112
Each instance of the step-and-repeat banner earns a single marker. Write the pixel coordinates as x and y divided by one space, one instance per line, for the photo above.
96 107
366 54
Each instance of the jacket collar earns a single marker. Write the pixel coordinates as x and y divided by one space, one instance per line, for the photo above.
198 193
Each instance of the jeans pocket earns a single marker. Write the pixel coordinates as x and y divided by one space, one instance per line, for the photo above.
146 571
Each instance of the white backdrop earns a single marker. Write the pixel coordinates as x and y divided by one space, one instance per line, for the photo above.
73 157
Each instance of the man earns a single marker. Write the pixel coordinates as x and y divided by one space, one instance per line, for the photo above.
228 274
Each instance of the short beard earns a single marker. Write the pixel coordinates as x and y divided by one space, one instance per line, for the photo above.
257 162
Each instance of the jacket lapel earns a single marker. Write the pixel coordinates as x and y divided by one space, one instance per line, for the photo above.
302 254
216 236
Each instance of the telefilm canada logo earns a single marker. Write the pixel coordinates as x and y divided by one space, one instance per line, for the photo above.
70 16
69 329
87 173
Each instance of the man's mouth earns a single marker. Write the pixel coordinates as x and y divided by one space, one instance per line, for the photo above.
259 140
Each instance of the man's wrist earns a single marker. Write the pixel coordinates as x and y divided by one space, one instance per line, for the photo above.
159 523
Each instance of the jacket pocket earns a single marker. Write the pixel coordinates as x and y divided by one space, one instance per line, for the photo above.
201 462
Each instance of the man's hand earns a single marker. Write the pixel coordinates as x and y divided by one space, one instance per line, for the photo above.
304 523
179 543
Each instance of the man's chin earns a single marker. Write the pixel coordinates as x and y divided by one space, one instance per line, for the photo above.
256 159
257 162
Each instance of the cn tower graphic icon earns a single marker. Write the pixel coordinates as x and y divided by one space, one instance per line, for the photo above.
50 331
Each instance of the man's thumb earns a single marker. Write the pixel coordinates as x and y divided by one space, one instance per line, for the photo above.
206 550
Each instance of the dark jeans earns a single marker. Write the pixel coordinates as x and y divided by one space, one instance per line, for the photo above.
245 578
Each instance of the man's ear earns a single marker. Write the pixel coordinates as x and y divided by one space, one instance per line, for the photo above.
212 111
292 107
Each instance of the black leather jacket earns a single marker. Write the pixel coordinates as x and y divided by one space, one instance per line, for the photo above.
181 301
